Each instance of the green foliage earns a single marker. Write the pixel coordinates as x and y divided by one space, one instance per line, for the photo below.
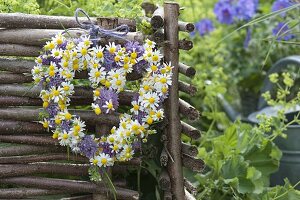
239 161
24 6
104 8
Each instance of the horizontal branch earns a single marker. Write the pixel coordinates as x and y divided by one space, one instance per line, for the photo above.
81 197
186 70
196 165
188 110
20 20
14 78
31 114
187 88
190 187
43 167
164 180
18 127
14 65
190 150
19 50
42 158
69 185
29 139
190 131
38 37
21 193
188 195
185 45
19 150
186 26
157 19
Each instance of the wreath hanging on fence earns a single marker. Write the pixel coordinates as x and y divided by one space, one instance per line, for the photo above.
107 69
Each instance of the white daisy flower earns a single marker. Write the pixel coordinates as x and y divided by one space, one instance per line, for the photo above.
111 48
64 138
56 53
150 100
109 106
96 75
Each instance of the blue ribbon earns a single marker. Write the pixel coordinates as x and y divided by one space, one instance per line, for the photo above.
95 30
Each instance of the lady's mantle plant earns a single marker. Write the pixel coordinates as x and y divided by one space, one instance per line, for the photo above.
107 69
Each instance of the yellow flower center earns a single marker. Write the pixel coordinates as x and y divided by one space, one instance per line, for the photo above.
117 58
151 100
107 84
95 161
45 104
97 111
97 93
163 71
45 124
126 59
104 161
97 74
77 128
163 80
83 51
51 45
164 90
56 53
99 54
112 50
155 58
149 120
133 55
118 82
146 87
59 41
55 135
57 121
66 88
111 139
75 66
39 60
135 127
154 68
51 73
110 106
68 116
65 136
136 107
55 92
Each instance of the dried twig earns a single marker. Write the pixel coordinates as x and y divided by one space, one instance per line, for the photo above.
186 70
191 163
187 88
190 131
188 110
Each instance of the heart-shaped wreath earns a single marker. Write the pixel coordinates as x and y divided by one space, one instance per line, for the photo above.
107 69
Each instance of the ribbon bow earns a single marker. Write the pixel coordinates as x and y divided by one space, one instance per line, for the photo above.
95 30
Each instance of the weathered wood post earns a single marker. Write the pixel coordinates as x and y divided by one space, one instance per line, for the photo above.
171 53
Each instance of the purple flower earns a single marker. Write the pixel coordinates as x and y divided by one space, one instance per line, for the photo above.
225 11
282 32
88 146
139 49
246 9
204 26
281 4
105 96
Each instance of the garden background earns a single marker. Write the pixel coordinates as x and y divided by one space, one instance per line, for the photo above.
231 62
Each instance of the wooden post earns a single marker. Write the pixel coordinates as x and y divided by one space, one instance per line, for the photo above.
171 52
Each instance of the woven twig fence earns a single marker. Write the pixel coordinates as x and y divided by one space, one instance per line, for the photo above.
31 153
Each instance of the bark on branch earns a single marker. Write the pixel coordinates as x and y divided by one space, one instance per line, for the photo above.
187 88
188 110
196 165
187 70
21 193
20 20
17 127
69 186
190 131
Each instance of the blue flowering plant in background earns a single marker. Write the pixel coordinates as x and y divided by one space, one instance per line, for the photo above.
256 40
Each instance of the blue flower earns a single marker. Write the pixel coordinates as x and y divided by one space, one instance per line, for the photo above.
282 32
281 4
246 9
204 26
225 11
88 146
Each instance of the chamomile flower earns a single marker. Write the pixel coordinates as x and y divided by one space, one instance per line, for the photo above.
64 138
83 52
56 53
150 100
109 106
39 60
68 88
104 160
96 109
97 53
78 128
96 75
135 107
85 41
58 39
96 94
111 48
149 44
49 45
159 115
56 93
